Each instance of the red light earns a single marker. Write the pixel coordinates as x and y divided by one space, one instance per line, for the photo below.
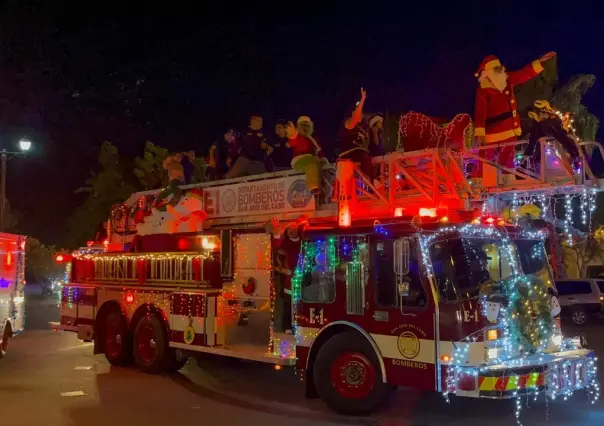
22 245
106 243
489 220
182 244
9 258
129 298
398 212
89 243
466 382
60 258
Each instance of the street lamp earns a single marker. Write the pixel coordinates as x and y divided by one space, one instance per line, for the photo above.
24 145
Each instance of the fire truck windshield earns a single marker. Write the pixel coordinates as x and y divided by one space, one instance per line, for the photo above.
533 259
462 265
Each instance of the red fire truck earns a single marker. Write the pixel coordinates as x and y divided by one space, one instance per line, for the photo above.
407 282
12 281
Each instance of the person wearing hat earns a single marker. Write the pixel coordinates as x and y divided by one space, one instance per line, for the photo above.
286 243
253 151
308 156
223 153
282 153
496 117
376 129
354 140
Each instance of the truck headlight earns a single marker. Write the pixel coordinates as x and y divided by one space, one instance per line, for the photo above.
492 353
557 340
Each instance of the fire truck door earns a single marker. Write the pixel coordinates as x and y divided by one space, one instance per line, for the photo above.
401 313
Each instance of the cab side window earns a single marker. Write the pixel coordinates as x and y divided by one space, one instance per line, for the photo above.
318 279
385 279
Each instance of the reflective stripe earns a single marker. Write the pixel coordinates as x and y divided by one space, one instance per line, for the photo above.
533 378
488 383
511 383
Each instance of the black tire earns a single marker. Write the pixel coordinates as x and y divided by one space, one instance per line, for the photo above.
5 339
361 361
579 317
151 352
117 340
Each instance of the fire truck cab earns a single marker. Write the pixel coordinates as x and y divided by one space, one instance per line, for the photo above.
409 282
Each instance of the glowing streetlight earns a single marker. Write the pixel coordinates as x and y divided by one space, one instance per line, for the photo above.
24 146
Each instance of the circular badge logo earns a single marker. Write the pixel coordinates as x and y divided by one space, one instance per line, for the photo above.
298 194
229 200
408 345
189 335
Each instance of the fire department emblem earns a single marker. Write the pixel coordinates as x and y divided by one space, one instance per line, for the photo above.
229 200
408 345
189 333
298 194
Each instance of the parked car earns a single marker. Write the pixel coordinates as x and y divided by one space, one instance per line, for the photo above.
581 300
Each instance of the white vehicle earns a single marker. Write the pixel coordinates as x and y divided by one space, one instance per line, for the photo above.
12 281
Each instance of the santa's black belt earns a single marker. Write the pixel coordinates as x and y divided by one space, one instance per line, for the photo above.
496 119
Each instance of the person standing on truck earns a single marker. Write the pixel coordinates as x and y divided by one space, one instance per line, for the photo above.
253 150
308 156
282 153
354 140
287 245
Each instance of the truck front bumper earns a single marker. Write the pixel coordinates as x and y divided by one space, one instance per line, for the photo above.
555 373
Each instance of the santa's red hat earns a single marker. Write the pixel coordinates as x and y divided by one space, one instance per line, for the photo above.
487 64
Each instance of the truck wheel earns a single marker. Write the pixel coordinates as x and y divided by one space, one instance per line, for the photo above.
579 316
4 342
151 351
117 340
347 375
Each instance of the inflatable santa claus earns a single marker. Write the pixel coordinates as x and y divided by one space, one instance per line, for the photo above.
496 110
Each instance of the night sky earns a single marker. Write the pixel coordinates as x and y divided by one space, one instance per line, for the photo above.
72 76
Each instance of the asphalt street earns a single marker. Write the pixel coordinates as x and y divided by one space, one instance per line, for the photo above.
51 379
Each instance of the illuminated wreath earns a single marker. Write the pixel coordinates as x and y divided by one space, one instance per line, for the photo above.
249 286
161 203
527 310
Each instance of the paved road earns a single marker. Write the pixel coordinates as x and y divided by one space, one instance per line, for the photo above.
51 379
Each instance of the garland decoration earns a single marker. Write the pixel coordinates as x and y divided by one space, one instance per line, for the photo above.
525 304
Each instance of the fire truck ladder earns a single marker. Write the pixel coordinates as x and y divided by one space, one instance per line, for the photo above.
440 178
437 178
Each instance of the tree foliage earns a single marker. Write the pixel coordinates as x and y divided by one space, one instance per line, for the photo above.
114 181
150 171
566 98
582 252
105 188
149 168
390 132
199 174
40 265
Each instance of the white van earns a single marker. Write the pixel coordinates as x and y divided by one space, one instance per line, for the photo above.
12 281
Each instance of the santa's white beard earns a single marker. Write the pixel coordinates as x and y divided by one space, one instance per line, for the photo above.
499 80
